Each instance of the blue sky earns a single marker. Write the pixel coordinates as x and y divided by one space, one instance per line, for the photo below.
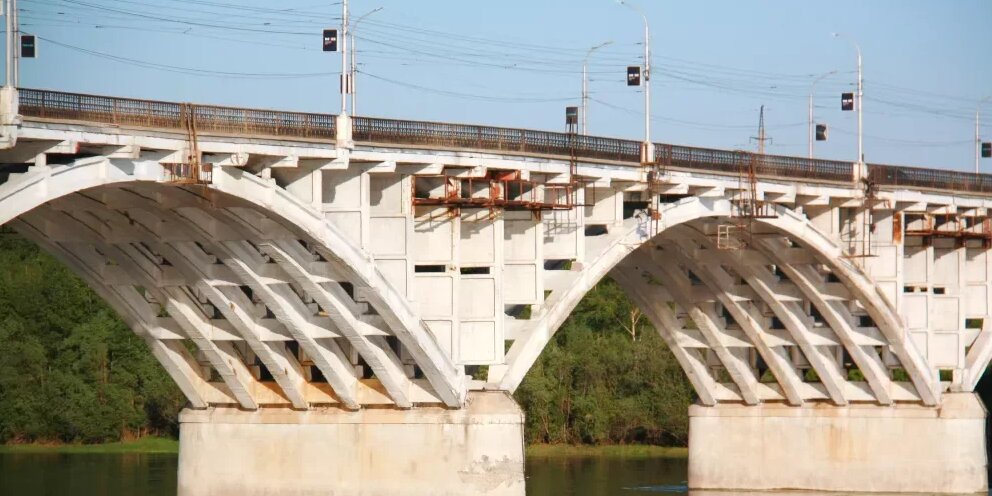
518 63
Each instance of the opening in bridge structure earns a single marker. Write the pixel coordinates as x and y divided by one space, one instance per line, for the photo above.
322 284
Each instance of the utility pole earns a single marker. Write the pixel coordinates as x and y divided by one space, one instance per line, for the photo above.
978 138
10 43
859 108
345 76
812 88
647 151
16 43
354 65
585 86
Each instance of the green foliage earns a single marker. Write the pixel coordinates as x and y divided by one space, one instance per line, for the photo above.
606 378
70 370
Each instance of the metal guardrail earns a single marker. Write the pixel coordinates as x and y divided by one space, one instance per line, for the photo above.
438 134
212 119
765 165
918 177
169 115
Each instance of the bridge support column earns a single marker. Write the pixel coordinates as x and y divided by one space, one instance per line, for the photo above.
862 448
477 450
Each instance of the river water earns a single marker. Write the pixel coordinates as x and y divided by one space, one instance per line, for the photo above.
155 475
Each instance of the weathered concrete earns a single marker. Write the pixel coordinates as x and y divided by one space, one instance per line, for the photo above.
474 451
863 448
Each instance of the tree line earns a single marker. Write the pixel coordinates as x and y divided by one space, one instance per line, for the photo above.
71 371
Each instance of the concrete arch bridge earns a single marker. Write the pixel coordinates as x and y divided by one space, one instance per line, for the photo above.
318 286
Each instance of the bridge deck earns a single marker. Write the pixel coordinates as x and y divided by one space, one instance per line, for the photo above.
220 120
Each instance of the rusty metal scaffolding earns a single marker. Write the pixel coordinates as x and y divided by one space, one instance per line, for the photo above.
503 190
953 226
191 170
737 234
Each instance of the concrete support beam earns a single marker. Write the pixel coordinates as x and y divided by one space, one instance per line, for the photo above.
180 305
641 291
790 314
706 319
346 317
837 316
751 322
174 357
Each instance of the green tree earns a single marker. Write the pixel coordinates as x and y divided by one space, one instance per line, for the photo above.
71 370
606 377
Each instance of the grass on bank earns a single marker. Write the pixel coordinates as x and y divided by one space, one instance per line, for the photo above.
613 451
147 445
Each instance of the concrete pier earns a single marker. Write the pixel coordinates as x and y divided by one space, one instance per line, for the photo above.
373 452
858 448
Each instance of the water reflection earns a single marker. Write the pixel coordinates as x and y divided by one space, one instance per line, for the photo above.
587 476
88 474
155 475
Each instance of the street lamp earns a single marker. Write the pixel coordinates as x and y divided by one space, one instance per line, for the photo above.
585 86
812 88
647 151
354 65
345 73
978 139
860 105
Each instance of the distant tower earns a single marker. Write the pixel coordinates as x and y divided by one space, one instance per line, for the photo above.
761 138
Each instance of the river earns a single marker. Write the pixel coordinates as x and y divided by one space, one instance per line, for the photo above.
155 475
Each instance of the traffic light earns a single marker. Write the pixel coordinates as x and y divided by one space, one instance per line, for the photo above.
987 149
28 47
633 75
571 116
847 101
330 40
821 132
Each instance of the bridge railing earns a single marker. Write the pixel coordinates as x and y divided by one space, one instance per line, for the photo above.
918 177
445 135
169 115
765 165
212 119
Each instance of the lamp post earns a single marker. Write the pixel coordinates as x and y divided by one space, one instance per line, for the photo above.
647 151
978 138
585 86
812 88
345 76
860 104
11 37
354 65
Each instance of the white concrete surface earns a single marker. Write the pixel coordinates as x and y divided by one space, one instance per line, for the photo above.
859 448
434 451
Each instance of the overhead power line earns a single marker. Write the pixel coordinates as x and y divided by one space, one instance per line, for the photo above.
488 98
189 70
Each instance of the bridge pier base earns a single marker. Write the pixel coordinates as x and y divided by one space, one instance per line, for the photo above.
858 448
474 451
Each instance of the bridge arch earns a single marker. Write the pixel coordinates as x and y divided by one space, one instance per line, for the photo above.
680 228
256 229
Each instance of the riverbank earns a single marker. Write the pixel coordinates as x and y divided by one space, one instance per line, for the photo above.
157 445
147 445
608 451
